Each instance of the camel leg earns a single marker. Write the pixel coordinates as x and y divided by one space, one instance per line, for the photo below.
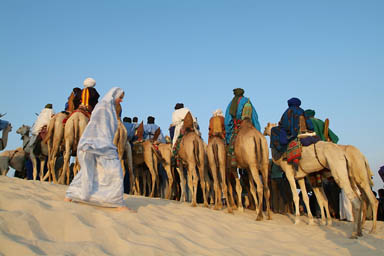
267 192
323 204
42 164
259 189
203 182
192 183
304 193
340 174
183 197
67 155
167 168
369 196
230 200
137 181
213 168
239 191
34 164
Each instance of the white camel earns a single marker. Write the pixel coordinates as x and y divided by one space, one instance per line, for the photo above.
41 153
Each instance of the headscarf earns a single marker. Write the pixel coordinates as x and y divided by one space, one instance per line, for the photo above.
100 131
294 102
179 106
218 112
238 92
309 113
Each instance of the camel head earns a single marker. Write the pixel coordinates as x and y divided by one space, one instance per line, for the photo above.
8 128
23 130
268 128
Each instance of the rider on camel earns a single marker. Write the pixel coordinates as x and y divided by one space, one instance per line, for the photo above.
89 95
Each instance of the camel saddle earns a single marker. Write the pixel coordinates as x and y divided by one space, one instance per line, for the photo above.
43 133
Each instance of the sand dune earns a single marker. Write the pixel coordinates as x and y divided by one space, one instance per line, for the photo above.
34 220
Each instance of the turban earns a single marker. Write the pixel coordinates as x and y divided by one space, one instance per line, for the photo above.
179 105
89 82
294 102
309 113
48 106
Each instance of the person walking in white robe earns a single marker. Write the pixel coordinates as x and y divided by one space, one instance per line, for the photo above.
100 179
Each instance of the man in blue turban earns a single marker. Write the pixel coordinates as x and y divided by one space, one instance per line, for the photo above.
289 125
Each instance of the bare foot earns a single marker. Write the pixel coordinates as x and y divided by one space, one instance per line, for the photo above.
66 199
124 208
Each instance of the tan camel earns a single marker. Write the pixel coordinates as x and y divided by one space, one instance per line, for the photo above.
74 128
54 139
15 159
217 162
191 154
165 150
4 139
251 151
359 177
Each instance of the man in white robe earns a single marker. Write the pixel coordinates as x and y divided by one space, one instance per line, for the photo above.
42 120
178 120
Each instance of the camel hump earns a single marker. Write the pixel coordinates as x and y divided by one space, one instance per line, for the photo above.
216 125
156 135
188 121
140 131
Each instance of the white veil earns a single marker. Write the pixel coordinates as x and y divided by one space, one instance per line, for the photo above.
98 136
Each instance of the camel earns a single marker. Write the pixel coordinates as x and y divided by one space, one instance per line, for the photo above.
191 154
54 139
217 161
42 153
74 128
124 151
4 139
165 150
290 174
251 151
350 160
15 159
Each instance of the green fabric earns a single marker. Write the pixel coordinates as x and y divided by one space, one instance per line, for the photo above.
276 171
233 108
318 126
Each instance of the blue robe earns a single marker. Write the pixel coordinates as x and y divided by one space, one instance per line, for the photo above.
130 130
149 132
228 121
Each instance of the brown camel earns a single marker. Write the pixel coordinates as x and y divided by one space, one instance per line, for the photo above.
4 139
217 161
54 139
74 128
15 159
251 152
165 150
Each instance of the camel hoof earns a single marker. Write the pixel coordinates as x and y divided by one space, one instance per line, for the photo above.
193 204
240 209
323 222
353 236
329 223
311 222
259 218
297 221
230 210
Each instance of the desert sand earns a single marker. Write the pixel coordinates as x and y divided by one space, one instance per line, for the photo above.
34 220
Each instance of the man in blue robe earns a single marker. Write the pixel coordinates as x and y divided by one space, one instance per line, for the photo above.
150 129
127 121
234 113
289 125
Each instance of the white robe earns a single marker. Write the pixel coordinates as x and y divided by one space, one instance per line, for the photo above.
43 119
345 207
100 179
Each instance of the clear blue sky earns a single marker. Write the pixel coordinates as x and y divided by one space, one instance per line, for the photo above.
330 54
